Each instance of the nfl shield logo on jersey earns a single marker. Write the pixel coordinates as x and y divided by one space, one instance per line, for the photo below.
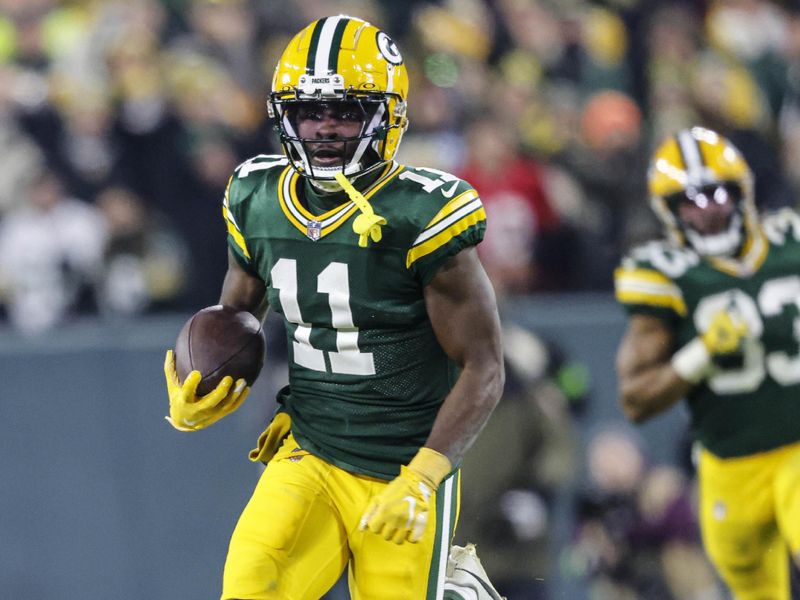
313 230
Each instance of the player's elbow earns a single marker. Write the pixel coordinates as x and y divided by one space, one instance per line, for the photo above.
486 373
632 412
633 406
497 381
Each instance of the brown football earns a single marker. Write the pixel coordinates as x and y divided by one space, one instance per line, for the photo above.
219 341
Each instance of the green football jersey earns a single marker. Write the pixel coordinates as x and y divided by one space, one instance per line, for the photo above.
366 373
753 406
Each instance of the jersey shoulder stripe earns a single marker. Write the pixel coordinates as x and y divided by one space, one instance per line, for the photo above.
242 184
455 217
234 230
636 285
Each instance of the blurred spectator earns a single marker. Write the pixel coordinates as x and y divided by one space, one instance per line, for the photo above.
637 535
608 160
525 247
144 262
226 31
51 251
21 157
673 37
163 97
514 474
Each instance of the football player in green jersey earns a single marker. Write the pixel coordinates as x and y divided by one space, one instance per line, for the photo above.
715 318
394 344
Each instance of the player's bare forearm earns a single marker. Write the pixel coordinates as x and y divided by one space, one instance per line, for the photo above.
462 308
648 384
243 291
465 411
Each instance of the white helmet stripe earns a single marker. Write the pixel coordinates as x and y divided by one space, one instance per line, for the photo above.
690 151
322 57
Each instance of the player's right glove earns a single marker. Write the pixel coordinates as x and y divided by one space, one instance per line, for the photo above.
722 344
187 412
400 511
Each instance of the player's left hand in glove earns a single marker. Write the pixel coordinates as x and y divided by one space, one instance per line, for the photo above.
400 511
187 411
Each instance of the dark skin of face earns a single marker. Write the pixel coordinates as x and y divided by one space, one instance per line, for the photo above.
329 121
709 214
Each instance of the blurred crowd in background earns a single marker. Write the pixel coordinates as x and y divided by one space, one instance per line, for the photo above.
121 121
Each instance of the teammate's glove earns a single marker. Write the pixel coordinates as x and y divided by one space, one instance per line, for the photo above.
722 344
187 412
400 511
725 335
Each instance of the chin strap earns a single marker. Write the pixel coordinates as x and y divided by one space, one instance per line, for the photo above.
367 224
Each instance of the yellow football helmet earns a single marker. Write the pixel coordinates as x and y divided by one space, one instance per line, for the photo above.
697 171
342 59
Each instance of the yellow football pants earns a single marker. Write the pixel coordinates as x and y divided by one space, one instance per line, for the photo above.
299 531
750 519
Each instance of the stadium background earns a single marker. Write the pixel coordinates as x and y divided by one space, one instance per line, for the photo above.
120 122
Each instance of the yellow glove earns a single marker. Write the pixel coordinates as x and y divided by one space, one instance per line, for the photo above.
721 345
725 334
187 412
400 511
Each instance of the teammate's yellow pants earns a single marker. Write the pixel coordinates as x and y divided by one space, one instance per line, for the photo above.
750 519
299 531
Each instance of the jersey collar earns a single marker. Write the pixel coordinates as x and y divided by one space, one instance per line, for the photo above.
318 226
755 252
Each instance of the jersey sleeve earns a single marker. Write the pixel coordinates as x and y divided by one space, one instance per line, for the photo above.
240 204
643 289
231 212
460 223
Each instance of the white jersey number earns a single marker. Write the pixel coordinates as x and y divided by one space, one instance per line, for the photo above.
333 281
774 295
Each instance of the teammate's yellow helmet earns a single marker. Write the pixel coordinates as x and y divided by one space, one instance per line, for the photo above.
342 59
700 168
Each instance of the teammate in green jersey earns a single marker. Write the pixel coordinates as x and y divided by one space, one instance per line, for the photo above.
394 344
715 318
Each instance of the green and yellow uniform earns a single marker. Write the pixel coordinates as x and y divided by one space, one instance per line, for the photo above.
367 374
746 417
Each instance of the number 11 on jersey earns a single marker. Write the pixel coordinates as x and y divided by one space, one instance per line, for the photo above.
335 282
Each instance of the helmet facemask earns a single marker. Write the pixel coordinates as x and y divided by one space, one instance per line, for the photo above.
711 218
362 153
